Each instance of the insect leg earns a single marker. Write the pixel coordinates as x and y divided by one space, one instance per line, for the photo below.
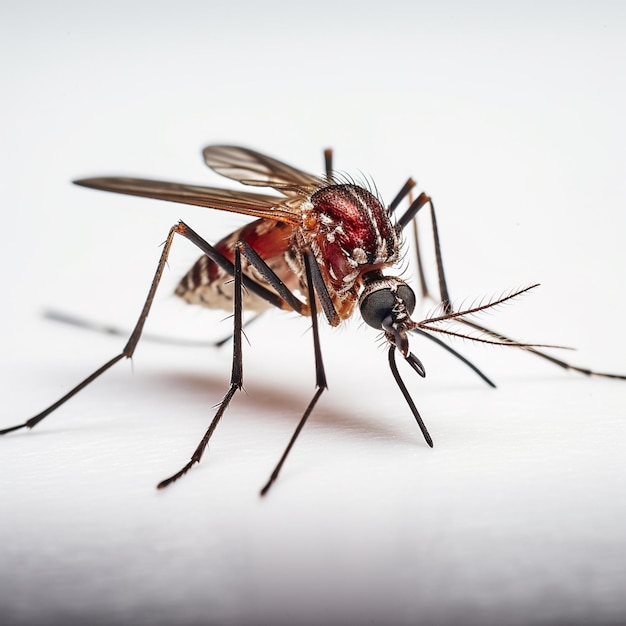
414 207
410 216
319 288
393 205
106 329
420 264
270 276
403 221
317 281
236 382
328 163
236 378
129 348
320 374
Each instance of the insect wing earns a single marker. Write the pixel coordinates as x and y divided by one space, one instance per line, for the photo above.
253 168
254 204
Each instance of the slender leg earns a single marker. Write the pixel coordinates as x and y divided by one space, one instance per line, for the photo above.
106 329
328 163
236 378
410 216
320 374
420 264
414 207
393 205
129 348
270 277
179 229
318 286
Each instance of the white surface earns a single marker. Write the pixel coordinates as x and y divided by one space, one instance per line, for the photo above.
512 119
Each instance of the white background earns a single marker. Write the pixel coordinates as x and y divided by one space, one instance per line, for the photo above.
512 117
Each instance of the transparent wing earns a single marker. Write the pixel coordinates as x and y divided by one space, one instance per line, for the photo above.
275 208
253 168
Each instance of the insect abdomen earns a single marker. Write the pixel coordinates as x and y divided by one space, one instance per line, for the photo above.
207 284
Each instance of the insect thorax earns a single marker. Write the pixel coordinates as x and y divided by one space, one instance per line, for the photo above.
350 233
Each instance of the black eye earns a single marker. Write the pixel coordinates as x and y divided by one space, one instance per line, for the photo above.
380 298
376 307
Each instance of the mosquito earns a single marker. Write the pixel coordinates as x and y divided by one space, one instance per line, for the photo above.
319 242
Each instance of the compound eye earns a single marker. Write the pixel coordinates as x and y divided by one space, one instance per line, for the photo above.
381 300
376 307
